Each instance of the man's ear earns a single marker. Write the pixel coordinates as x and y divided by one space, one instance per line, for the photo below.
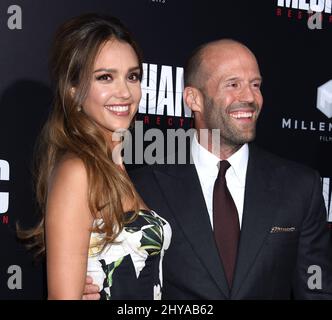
193 99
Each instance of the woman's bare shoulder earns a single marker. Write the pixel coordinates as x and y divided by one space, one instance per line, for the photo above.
70 168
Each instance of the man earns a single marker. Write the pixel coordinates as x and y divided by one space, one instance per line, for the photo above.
275 245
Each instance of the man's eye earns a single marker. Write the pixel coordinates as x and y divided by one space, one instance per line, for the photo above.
104 77
233 84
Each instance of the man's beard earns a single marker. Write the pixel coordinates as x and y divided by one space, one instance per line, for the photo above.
217 117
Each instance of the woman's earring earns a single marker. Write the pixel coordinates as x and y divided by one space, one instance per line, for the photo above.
79 109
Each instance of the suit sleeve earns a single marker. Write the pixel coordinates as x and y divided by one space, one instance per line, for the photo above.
313 273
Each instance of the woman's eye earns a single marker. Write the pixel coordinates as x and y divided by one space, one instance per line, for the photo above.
134 77
104 77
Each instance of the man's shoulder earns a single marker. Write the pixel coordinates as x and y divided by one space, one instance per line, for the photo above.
162 168
273 161
145 171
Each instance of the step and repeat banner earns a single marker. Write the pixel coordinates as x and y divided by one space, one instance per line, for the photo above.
292 42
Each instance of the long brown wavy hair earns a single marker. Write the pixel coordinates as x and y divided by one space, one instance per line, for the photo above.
76 45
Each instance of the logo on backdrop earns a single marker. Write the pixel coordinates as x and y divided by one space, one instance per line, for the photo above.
158 1
162 100
316 11
327 194
324 98
322 128
4 196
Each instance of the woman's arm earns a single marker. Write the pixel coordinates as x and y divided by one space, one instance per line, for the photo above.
68 222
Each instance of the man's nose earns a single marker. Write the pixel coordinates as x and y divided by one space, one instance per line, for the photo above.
247 95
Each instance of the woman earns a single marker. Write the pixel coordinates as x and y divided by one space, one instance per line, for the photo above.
94 219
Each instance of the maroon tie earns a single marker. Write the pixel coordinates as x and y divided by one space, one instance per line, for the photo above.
226 224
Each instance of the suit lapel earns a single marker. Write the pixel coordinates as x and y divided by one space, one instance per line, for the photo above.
258 213
180 186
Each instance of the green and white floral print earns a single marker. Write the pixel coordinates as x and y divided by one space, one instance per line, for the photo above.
148 236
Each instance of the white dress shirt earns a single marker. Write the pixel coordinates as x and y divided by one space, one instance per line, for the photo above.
206 165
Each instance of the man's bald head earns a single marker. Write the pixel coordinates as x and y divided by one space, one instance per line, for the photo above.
201 62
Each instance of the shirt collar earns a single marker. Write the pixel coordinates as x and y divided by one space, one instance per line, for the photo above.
239 163
207 163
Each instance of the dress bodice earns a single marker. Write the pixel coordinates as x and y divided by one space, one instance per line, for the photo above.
131 267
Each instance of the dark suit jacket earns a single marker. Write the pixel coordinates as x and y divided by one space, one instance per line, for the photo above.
270 265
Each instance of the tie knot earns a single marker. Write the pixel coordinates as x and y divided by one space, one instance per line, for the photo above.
223 166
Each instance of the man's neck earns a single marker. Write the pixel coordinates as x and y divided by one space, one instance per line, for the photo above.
217 146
